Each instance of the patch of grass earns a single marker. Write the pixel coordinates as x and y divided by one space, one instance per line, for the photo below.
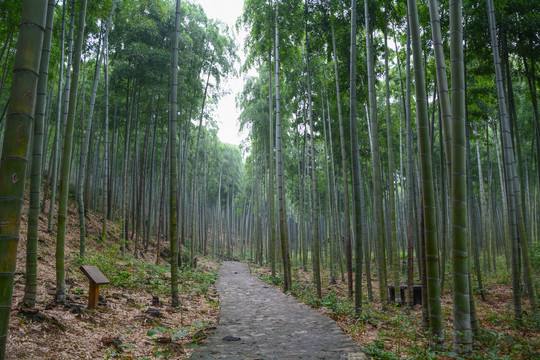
196 281
272 280
534 250
126 272
399 332
377 350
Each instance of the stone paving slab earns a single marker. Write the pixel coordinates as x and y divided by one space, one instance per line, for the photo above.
259 322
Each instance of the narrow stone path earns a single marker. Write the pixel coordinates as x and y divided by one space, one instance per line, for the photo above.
260 322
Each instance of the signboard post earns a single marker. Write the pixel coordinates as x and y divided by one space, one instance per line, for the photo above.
95 278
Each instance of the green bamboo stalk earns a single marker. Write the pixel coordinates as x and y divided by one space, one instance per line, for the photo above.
106 142
460 256
15 146
287 276
84 149
356 166
61 105
271 179
330 185
483 219
395 250
66 159
334 198
376 160
173 180
428 193
30 285
345 178
517 224
410 179
315 209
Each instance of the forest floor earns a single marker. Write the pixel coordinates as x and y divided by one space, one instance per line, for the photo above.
398 332
134 319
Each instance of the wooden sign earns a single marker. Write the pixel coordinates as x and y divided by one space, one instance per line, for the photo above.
96 278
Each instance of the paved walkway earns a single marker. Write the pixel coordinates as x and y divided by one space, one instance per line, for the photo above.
260 322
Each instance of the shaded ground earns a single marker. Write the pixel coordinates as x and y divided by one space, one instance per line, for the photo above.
259 322
397 333
129 323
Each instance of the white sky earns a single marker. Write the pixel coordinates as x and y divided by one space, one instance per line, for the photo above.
226 112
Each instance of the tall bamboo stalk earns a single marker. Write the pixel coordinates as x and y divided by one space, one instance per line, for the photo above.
427 188
66 158
173 177
345 178
35 176
315 209
284 238
376 161
17 135
460 256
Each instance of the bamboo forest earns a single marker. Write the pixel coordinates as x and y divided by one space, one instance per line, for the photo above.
269 179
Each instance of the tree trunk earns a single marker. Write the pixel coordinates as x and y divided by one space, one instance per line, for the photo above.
61 110
106 144
347 216
395 250
428 193
66 159
315 208
84 149
271 179
173 180
17 135
376 162
30 287
517 223
460 257
355 165
287 277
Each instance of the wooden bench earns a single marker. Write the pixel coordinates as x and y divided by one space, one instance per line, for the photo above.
96 278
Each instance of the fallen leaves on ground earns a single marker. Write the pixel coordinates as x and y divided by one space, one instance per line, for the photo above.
119 328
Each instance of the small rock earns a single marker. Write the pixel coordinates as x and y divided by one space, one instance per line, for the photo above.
111 341
155 301
32 315
102 300
231 338
75 309
154 313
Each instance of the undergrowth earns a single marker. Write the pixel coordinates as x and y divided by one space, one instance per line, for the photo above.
126 272
398 332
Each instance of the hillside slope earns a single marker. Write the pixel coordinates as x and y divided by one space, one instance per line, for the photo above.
123 327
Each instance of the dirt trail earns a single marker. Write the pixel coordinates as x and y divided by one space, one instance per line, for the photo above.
259 322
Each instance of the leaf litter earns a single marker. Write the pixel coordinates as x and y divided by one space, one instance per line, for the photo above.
119 328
